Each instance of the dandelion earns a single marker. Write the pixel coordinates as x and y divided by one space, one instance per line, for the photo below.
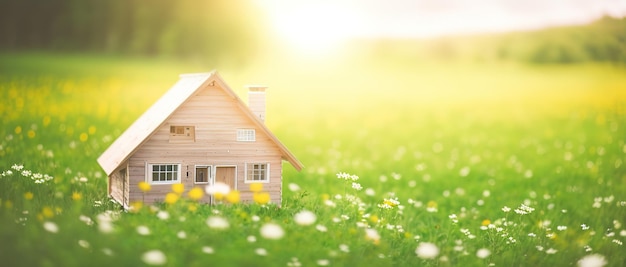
261 251
135 206
233 197
592 260
272 231
218 223
144 186
372 234
323 262
551 251
431 206
171 198
143 230
51 227
294 187
427 250
305 217
47 212
76 196
178 188
107 251
256 187
483 253
218 190
28 195
261 198
154 257
83 137
163 215
208 250
83 243
85 219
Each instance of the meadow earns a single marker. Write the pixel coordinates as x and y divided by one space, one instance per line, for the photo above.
406 164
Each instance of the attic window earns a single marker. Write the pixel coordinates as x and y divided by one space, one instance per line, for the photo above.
182 133
246 135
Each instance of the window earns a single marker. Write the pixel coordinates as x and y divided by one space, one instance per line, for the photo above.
182 133
257 172
164 173
246 135
202 174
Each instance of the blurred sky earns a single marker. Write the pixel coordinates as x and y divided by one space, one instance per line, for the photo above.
318 24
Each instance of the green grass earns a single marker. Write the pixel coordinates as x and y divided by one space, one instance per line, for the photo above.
447 140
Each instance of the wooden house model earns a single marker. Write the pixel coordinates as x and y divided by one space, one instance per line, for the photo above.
198 133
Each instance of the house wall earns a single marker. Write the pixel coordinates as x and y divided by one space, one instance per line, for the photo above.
118 186
216 118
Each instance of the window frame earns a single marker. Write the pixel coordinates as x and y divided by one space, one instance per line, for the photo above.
150 173
175 137
249 165
246 135
209 174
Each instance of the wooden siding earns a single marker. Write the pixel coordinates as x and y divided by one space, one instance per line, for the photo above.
118 186
216 117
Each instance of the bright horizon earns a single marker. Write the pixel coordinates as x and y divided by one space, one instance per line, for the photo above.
317 26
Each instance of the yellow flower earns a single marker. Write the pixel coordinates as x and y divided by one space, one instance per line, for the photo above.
144 186
256 187
196 193
374 218
136 206
83 137
171 198
486 222
28 195
18 129
8 204
192 207
233 196
261 198
77 196
47 212
431 204
178 188
31 134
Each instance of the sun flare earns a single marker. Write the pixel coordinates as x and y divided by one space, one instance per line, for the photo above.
312 29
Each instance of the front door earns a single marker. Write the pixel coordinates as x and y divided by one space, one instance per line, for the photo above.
225 175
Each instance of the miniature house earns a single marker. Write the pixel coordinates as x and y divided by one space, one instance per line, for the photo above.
198 133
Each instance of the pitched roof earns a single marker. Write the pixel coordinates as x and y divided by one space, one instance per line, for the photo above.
138 132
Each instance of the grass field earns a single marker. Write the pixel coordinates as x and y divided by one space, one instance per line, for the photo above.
458 164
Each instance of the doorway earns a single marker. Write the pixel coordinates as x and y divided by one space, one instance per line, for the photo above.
226 174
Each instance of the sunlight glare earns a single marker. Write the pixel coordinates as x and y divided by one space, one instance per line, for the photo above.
312 28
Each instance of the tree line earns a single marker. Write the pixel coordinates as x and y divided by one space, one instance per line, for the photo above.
184 28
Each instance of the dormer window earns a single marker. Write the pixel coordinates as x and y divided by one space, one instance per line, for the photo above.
246 135
182 133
